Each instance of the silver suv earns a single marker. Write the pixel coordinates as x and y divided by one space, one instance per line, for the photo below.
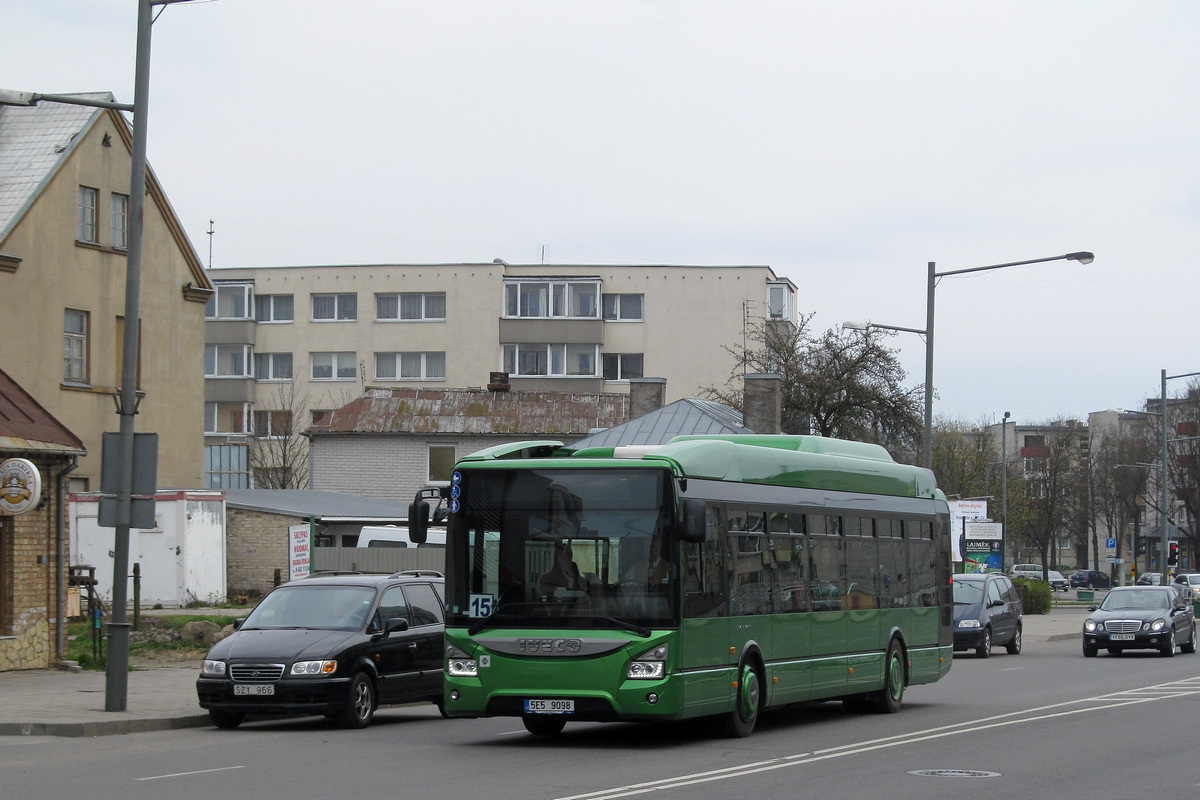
1189 584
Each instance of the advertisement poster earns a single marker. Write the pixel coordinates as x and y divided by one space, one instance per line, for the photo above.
983 544
298 552
962 511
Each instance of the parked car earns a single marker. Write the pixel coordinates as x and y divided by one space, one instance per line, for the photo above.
987 611
1189 583
1090 579
1058 581
332 644
1149 579
1141 617
1033 571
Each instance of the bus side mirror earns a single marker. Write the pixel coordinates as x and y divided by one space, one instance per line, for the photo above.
693 529
418 521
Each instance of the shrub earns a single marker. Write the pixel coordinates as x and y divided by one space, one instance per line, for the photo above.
1035 595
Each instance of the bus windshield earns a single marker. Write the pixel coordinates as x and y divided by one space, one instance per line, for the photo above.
578 548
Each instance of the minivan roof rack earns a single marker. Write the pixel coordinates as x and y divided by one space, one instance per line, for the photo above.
417 573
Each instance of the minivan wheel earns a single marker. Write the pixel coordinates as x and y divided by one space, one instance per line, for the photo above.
226 720
360 705
1014 647
985 649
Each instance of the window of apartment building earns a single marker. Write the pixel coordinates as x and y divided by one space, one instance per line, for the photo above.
226 466
1035 441
411 306
227 361
441 463
75 346
339 307
334 366
88 202
118 218
272 424
552 298
273 366
410 366
622 366
551 359
273 308
226 418
780 301
623 306
229 301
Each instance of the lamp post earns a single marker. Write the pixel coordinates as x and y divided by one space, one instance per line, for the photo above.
1003 487
117 665
1081 257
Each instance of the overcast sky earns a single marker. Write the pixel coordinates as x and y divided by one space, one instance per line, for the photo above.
844 144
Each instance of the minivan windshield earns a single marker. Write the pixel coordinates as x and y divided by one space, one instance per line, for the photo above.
321 607
968 593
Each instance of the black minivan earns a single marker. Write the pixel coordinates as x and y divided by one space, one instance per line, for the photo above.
338 645
987 611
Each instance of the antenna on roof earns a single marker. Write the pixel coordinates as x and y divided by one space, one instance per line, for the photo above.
210 238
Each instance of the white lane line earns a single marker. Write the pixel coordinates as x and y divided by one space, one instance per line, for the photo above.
1115 700
185 774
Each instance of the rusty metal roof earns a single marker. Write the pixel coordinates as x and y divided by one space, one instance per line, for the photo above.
477 412
26 426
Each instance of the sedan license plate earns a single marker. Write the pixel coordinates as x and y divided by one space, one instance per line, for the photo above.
1121 637
257 689
549 706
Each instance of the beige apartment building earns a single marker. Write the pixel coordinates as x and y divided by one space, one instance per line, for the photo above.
288 341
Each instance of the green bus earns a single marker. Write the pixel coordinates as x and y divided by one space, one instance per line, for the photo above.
713 576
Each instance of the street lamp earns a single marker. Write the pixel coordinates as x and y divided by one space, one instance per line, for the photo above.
1082 257
1003 487
866 326
117 666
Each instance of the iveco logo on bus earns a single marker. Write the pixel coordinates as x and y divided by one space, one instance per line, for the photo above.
550 647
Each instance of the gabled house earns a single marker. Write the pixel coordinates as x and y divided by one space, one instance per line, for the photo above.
64 225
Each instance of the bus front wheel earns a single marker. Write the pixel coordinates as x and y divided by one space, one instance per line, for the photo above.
739 723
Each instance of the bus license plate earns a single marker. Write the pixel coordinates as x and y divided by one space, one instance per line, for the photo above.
1121 637
549 706
257 689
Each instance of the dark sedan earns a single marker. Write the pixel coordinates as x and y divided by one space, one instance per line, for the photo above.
1090 579
1141 617
338 646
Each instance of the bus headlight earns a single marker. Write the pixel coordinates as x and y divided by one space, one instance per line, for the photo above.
649 666
459 664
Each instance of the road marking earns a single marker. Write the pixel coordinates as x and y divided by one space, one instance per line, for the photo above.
185 774
1146 694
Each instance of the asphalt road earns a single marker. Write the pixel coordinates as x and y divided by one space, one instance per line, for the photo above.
1041 724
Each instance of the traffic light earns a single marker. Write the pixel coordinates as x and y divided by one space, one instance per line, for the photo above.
1172 553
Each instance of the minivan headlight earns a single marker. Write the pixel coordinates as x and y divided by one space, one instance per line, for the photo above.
314 667
968 623
213 669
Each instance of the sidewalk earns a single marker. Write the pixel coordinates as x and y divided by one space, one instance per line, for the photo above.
51 702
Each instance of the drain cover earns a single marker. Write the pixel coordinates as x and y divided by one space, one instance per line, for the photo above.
953 773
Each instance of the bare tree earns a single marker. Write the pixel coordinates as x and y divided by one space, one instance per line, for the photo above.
278 448
1118 479
1055 489
843 385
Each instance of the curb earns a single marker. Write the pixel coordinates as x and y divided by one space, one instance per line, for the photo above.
102 728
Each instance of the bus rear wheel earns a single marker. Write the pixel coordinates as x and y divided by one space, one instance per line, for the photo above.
544 724
739 723
892 697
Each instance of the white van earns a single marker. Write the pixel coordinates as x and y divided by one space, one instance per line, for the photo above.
397 536
1032 571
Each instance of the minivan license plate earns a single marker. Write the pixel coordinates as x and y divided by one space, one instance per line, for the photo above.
1121 637
549 706
254 688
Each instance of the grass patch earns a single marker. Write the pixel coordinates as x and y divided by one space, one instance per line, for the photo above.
158 638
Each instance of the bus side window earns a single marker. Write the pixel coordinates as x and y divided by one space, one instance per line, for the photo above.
705 582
